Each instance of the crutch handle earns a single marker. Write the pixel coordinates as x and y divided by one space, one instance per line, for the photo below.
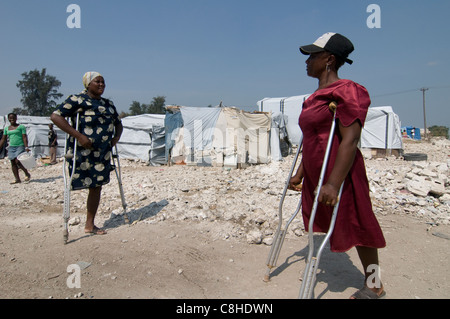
332 106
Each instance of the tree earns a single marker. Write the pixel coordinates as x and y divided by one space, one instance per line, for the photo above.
155 107
136 108
39 93
436 130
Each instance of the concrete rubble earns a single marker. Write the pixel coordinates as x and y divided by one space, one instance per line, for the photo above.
240 203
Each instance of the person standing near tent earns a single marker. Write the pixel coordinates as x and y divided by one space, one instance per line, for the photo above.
356 224
99 130
52 143
18 143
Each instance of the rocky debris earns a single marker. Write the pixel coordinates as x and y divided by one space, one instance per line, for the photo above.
242 203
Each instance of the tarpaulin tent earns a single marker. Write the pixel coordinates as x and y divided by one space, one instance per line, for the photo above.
291 107
143 138
381 129
37 134
411 132
217 136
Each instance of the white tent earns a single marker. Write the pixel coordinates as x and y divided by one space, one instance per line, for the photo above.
381 129
220 136
37 134
143 138
291 107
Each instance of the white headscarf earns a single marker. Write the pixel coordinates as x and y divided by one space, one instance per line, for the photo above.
88 77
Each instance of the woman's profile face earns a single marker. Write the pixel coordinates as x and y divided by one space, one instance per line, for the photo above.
316 64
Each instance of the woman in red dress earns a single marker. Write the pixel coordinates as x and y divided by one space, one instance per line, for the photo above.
356 224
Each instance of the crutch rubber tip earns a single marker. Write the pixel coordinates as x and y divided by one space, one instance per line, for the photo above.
332 106
266 278
66 236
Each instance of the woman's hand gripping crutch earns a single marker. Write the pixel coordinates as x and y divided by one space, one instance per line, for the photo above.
312 264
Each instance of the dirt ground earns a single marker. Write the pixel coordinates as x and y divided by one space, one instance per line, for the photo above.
184 259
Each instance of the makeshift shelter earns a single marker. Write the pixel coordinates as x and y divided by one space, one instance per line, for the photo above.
411 132
37 134
291 108
381 129
143 138
219 136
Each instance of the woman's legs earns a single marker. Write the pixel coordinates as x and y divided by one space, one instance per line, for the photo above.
52 155
370 263
20 165
93 201
15 170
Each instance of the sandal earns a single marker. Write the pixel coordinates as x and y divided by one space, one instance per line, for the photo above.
96 231
15 182
27 178
367 293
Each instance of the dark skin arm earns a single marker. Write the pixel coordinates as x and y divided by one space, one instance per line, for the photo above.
2 141
25 142
344 161
62 123
295 183
118 129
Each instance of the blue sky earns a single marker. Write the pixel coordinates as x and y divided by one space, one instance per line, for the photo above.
202 52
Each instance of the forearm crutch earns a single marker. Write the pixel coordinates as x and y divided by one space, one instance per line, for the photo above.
116 165
312 264
68 180
280 233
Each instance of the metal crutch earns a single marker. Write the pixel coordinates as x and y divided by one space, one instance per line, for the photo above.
280 233
312 264
115 157
68 180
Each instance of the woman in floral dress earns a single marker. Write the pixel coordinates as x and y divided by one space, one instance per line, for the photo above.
99 130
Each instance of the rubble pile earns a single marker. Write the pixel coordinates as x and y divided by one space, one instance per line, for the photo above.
241 203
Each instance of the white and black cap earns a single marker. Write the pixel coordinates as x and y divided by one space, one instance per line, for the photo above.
334 43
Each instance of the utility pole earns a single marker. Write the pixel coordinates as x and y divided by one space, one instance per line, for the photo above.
424 113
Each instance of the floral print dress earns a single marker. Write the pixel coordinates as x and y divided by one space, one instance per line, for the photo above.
97 120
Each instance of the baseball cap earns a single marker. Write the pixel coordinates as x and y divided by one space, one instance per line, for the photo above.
335 43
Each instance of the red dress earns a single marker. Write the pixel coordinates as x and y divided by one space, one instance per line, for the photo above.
356 224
